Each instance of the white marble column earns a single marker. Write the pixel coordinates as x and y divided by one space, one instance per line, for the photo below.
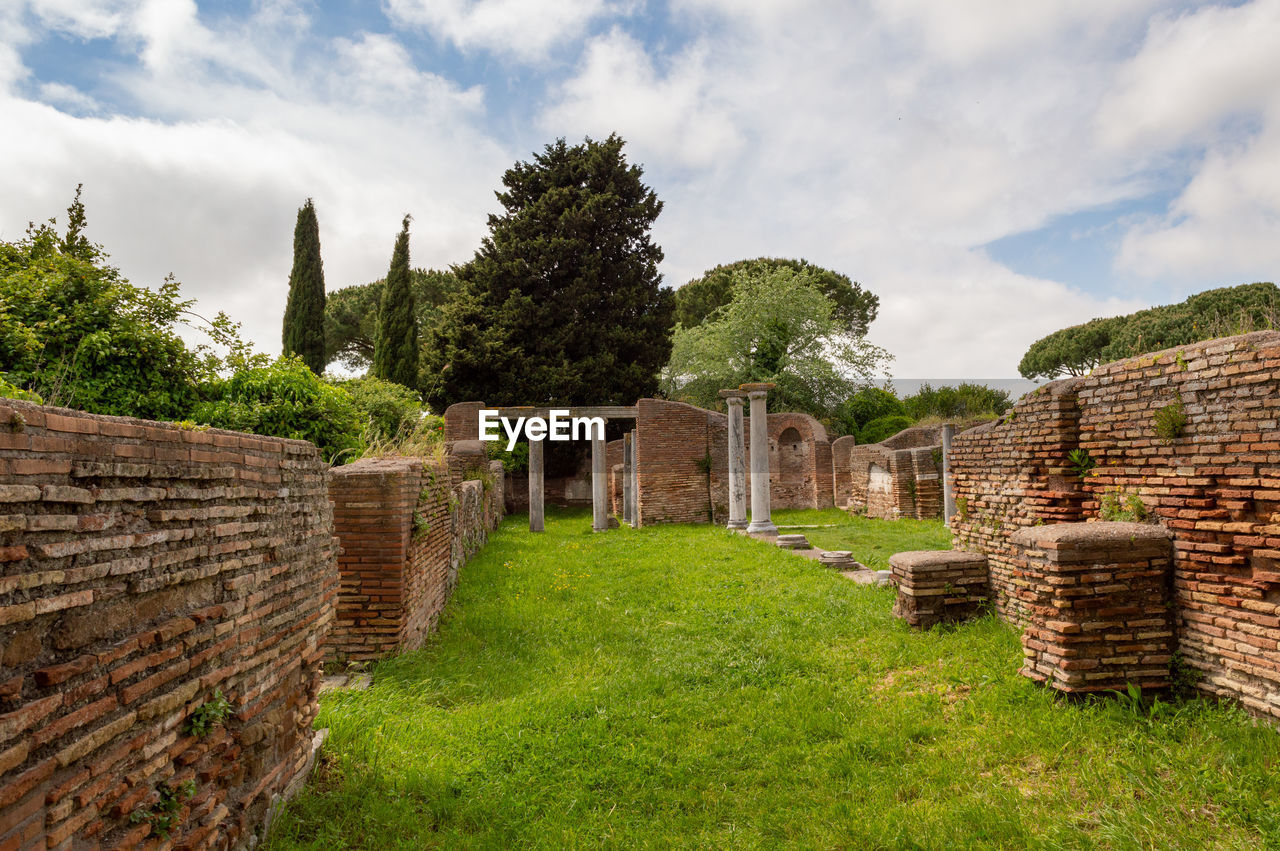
599 487
760 510
536 509
737 460
948 488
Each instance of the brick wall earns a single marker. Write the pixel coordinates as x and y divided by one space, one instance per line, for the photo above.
405 531
671 462
143 567
1216 487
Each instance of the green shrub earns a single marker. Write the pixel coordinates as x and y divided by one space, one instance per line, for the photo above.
389 411
284 398
514 461
882 428
78 334
1170 421
967 401
11 391
869 403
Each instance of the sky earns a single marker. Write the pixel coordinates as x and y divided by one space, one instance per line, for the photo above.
993 171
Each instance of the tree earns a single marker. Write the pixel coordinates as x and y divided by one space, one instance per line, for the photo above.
351 314
867 404
395 349
1214 313
304 312
779 327
700 298
75 332
562 302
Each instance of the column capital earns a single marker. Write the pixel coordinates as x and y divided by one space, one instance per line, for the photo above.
733 397
757 387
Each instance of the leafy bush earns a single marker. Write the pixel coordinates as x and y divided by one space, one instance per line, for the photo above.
883 427
284 398
966 401
869 403
389 411
514 461
78 334
12 391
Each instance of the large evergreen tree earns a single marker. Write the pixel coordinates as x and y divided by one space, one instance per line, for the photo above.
351 314
562 302
304 313
395 348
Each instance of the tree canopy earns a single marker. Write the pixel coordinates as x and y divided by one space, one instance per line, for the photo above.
853 306
351 314
304 312
395 347
1214 313
562 302
780 327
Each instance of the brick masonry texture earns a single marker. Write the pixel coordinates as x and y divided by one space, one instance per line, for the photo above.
145 566
898 477
1097 600
1215 487
406 530
939 587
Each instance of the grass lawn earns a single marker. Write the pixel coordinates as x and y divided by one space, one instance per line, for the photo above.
871 541
684 686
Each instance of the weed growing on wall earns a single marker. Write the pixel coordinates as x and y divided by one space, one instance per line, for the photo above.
163 815
208 715
1171 421
1116 505
1081 462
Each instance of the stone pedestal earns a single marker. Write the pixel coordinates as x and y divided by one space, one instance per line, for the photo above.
1096 596
737 460
761 522
939 587
535 486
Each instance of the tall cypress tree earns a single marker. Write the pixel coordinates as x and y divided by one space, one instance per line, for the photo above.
395 348
304 313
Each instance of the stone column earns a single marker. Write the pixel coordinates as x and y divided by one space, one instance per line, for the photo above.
599 487
760 510
948 489
737 460
633 484
535 486
628 507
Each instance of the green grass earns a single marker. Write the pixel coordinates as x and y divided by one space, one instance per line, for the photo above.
871 541
682 686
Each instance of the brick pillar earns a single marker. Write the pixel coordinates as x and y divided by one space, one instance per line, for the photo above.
1096 597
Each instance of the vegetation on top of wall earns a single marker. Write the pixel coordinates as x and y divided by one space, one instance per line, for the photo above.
76 333
1119 505
883 428
964 402
284 398
390 411
1214 313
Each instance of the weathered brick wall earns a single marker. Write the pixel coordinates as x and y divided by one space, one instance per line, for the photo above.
898 477
842 470
143 567
1216 487
672 466
939 587
405 530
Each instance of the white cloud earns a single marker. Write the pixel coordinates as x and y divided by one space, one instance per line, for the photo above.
1208 79
671 115
247 129
524 29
